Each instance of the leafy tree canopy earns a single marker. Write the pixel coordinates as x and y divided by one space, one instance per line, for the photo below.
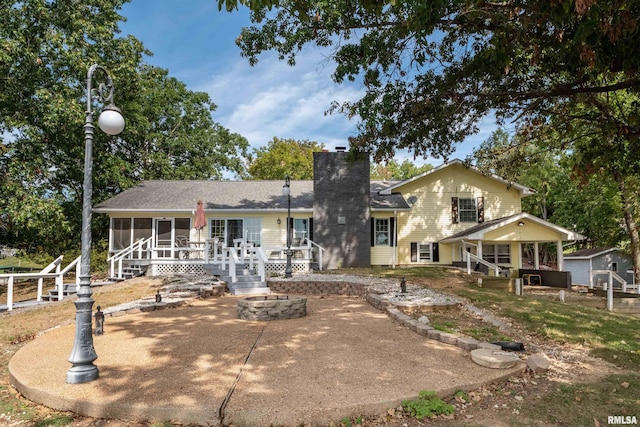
282 157
47 48
591 206
393 170
433 69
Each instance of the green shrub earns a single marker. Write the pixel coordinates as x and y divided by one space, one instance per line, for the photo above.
428 405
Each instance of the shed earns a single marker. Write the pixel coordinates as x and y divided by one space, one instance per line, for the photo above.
581 262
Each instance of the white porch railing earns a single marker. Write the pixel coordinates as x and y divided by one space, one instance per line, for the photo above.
45 273
612 279
240 254
141 248
468 256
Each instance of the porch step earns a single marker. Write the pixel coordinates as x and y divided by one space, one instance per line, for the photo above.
248 288
67 290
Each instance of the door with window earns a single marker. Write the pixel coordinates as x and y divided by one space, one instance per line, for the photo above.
300 231
164 238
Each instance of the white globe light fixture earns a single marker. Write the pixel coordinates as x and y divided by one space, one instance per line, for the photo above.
111 121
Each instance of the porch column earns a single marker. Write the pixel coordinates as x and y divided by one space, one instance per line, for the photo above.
536 256
479 249
519 256
560 255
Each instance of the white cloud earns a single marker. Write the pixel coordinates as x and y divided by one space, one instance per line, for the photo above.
273 99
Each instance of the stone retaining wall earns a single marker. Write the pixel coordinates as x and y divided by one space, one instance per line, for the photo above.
317 288
271 308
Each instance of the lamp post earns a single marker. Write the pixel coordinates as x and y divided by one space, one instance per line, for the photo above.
286 191
111 122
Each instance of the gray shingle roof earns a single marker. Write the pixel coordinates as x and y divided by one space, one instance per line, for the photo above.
589 252
183 195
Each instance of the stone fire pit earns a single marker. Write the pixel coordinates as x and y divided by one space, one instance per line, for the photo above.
272 307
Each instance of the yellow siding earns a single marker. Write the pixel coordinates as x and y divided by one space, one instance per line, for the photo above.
382 255
430 217
530 232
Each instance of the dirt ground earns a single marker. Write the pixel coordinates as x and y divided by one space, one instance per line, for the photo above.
492 405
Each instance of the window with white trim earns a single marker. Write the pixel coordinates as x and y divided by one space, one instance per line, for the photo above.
424 252
382 231
496 254
467 210
217 229
253 230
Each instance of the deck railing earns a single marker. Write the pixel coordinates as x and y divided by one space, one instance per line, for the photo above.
468 256
141 248
612 279
45 273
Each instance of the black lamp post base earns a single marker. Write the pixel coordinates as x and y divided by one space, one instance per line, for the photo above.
79 374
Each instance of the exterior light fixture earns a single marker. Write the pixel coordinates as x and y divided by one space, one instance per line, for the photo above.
521 224
286 191
278 221
112 123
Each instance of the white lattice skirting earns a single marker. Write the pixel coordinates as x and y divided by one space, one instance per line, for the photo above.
169 269
271 268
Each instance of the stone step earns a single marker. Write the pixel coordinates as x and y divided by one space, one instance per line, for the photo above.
264 290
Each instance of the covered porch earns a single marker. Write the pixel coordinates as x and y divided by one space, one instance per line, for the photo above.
504 245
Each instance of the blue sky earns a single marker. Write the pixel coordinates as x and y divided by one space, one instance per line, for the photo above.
196 43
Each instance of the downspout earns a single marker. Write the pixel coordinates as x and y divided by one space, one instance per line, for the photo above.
394 255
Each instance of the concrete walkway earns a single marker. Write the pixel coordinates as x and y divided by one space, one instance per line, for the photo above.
200 364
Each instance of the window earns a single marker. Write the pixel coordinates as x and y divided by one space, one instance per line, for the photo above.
614 267
217 229
182 227
142 228
496 254
253 230
226 230
382 232
467 210
120 233
425 252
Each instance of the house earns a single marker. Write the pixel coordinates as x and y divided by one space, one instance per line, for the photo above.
448 215
583 262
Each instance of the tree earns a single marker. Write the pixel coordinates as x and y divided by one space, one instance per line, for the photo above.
392 170
48 46
282 157
433 69
591 207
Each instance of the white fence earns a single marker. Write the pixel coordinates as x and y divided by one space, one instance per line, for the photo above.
46 273
612 279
